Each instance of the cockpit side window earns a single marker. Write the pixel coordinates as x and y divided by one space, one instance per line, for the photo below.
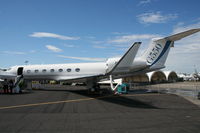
6 69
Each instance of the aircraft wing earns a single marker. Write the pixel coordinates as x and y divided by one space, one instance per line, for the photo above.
126 61
78 78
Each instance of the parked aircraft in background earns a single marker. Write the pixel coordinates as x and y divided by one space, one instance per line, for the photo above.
196 75
185 76
153 59
190 77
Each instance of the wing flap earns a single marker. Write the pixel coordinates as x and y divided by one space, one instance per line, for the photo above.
76 77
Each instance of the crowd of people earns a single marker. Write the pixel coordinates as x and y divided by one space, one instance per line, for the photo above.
7 87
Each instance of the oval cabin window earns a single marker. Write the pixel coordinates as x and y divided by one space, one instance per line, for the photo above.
77 69
28 71
69 70
60 70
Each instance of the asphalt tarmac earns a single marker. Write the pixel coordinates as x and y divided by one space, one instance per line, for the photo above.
76 111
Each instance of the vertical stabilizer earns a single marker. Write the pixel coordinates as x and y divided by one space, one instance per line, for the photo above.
157 53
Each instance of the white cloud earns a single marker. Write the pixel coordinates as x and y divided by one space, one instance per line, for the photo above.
122 43
132 38
18 52
32 51
97 42
156 17
144 2
13 52
120 33
83 58
53 48
185 53
180 27
98 47
53 35
69 45
190 44
90 37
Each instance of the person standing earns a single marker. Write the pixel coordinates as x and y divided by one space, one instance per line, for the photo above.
5 86
11 85
1 88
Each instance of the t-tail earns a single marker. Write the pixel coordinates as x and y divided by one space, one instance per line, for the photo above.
156 55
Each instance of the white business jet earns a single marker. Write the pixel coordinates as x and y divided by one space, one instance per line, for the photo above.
91 73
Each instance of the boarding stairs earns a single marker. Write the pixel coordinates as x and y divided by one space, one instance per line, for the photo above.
16 86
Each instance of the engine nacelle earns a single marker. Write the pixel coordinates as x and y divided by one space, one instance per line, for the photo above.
138 63
111 62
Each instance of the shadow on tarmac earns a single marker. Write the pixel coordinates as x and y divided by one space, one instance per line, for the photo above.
108 97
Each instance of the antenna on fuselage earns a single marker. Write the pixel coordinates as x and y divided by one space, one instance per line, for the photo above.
26 62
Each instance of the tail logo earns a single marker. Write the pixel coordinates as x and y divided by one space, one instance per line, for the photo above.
154 53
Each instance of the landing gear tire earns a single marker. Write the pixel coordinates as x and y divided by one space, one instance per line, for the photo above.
95 91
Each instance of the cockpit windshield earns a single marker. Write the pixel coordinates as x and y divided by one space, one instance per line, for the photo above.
2 69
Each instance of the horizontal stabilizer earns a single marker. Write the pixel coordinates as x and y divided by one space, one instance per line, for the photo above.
182 35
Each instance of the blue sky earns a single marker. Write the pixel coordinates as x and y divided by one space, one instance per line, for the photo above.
64 31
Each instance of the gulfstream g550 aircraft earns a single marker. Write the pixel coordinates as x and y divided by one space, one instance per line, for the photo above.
153 59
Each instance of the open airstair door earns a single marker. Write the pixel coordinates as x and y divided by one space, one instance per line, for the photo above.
18 78
20 71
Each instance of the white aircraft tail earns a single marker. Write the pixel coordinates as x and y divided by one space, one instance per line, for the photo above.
157 52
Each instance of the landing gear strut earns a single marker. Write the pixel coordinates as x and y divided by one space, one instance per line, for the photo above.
93 87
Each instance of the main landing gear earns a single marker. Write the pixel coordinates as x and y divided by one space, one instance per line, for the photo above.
94 87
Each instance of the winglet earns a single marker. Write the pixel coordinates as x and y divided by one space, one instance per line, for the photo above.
126 61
